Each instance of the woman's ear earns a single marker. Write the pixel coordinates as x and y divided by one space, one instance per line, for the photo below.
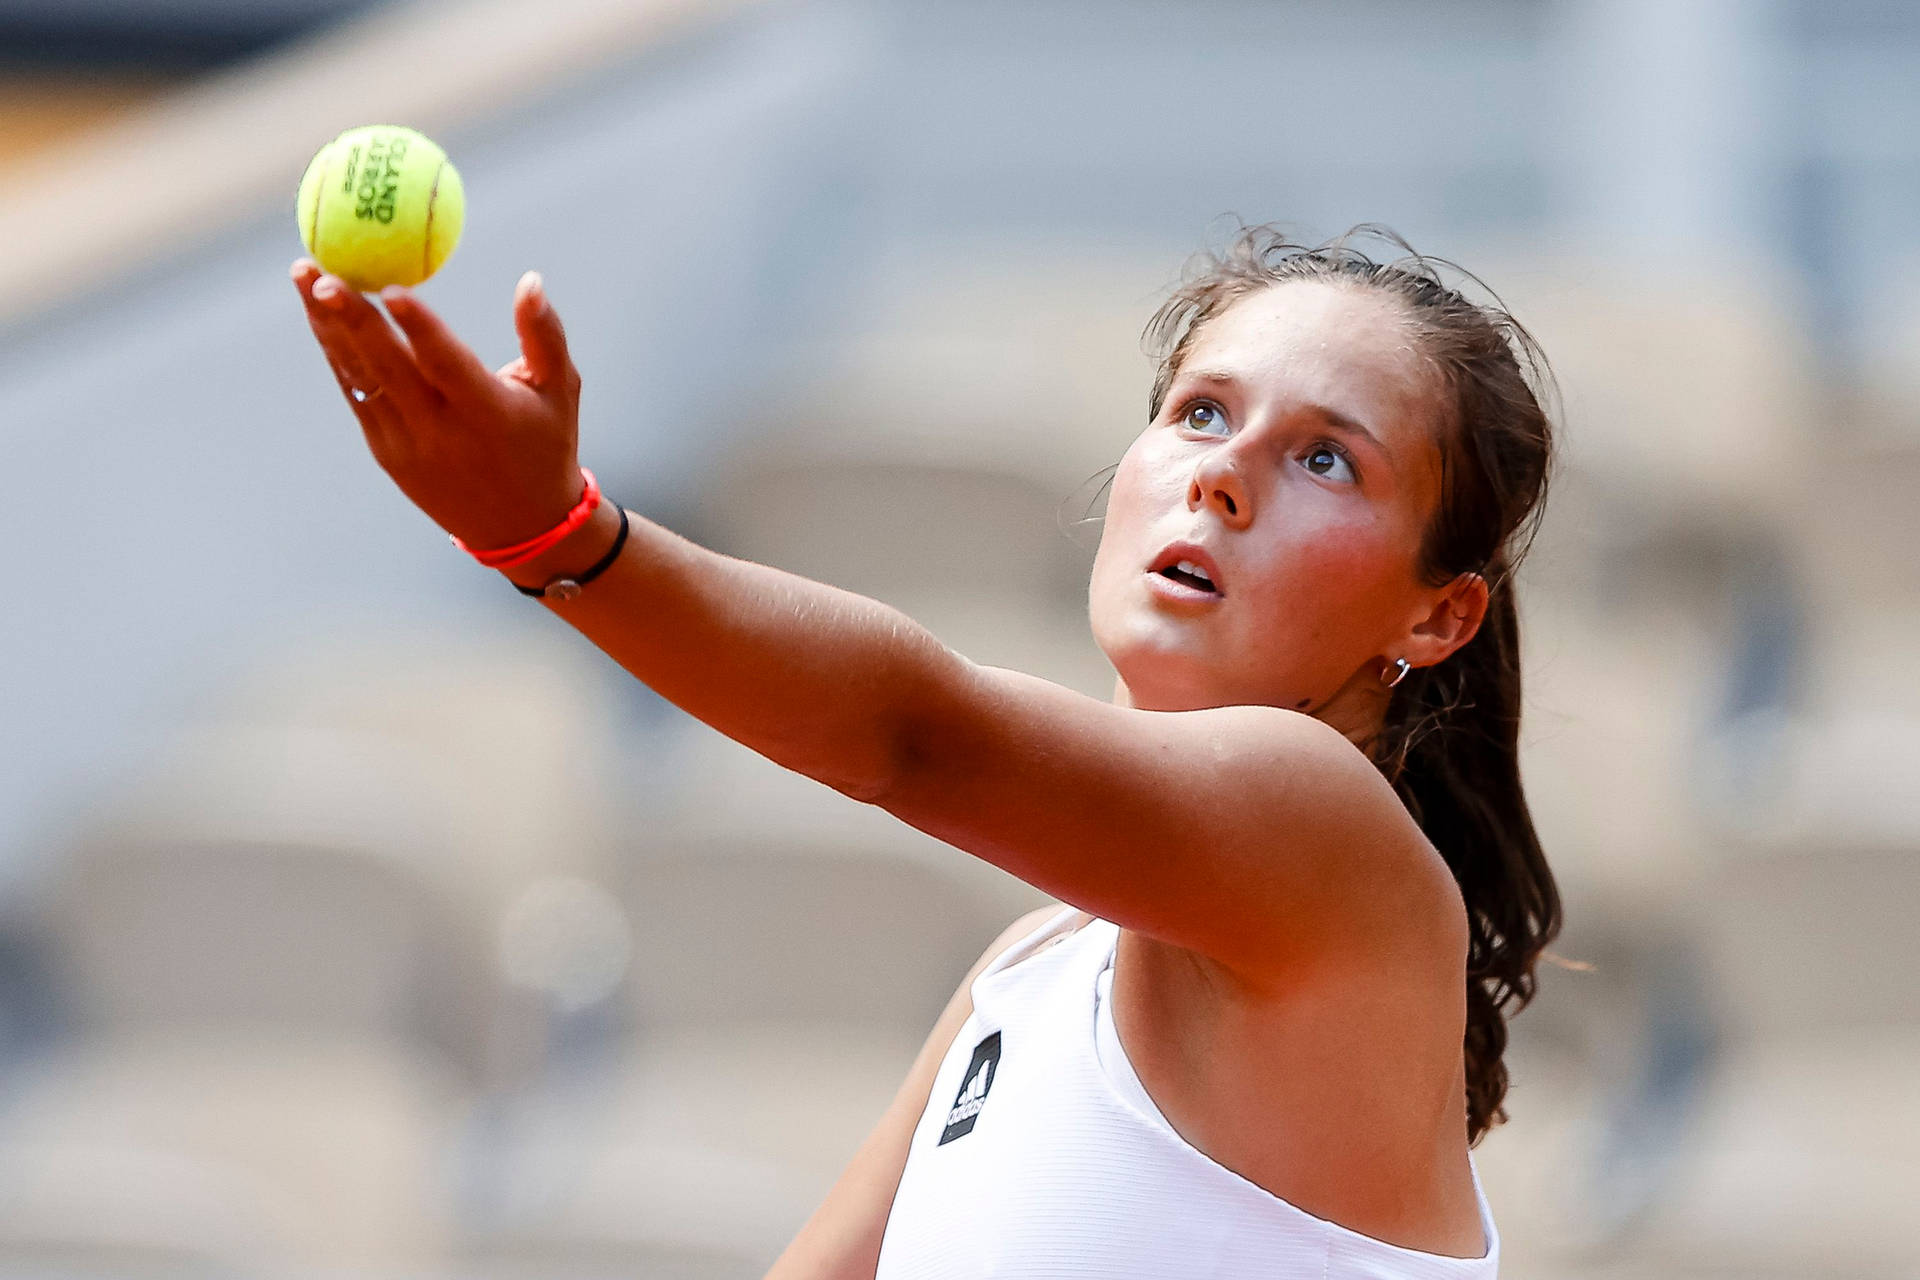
1454 619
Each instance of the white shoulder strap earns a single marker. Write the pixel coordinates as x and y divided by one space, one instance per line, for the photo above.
1062 923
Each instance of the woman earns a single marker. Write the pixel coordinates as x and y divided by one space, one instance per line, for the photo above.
1303 883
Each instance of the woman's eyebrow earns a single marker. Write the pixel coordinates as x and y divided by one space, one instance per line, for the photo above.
1342 422
1334 417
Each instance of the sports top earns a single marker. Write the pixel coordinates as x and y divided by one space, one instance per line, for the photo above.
1040 1154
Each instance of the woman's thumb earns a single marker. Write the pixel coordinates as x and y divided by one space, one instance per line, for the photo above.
543 343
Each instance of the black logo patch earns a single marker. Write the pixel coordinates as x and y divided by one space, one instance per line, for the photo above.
973 1090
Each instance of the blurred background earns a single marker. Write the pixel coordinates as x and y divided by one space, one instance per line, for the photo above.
357 918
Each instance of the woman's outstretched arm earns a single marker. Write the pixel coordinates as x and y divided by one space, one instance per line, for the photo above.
1251 834
804 673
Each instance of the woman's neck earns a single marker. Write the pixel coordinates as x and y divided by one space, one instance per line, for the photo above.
1357 709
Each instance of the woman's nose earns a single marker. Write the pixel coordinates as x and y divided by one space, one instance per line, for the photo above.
1217 482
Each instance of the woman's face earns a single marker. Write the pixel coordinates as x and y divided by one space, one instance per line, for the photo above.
1297 447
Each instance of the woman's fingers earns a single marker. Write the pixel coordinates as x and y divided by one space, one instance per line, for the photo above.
376 352
543 342
377 416
377 420
445 361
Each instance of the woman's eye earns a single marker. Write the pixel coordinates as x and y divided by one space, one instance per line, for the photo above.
1202 416
1325 460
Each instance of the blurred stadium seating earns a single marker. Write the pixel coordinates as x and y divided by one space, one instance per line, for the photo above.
356 921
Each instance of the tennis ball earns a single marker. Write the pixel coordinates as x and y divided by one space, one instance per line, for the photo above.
381 205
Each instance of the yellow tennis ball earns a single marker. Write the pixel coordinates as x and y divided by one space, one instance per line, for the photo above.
381 205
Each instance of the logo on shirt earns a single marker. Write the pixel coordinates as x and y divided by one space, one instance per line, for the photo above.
973 1090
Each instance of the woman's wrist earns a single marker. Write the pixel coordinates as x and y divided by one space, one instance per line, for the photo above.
573 554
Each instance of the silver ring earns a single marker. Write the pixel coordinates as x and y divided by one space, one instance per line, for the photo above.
1401 674
367 397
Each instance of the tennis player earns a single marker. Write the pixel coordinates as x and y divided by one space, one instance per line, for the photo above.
1302 886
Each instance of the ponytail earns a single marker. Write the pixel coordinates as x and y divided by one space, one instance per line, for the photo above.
1450 748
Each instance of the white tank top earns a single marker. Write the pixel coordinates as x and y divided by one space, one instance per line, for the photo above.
1039 1154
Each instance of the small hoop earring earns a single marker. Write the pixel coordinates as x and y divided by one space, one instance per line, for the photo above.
1403 666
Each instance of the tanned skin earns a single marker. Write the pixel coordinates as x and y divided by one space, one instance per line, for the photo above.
1290 977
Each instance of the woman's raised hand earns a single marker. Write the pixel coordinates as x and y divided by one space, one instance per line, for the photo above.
491 456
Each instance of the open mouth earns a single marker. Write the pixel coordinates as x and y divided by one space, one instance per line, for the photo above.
1190 574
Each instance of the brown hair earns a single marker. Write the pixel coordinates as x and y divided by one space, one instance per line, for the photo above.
1449 743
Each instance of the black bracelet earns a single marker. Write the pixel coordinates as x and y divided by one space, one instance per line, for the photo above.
566 588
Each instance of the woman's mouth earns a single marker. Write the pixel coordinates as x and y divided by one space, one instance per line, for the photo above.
1189 572
1183 581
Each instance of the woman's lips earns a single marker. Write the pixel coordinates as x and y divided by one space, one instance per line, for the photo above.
1191 555
1173 589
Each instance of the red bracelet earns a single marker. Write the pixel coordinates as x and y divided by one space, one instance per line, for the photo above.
520 552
